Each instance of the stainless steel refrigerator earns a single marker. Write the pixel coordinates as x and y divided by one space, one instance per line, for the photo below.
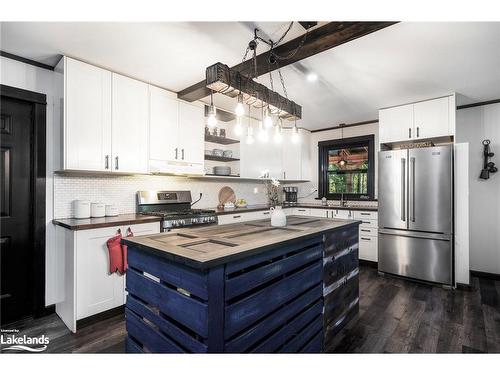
415 197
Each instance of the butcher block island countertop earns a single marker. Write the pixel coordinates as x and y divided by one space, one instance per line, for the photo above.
213 245
242 288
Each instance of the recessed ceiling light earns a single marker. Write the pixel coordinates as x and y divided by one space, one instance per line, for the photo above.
312 77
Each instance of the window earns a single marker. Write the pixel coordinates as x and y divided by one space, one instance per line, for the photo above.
347 166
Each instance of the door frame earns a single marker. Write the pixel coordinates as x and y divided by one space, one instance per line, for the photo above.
38 187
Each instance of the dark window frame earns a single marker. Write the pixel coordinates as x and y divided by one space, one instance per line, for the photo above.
325 146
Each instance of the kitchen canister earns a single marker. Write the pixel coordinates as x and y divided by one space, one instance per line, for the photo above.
278 217
111 210
81 209
97 209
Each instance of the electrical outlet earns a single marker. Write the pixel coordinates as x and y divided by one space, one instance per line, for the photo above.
313 190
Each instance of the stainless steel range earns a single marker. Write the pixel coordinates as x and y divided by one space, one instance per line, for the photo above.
174 207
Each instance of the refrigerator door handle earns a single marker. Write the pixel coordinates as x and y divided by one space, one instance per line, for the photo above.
412 202
403 189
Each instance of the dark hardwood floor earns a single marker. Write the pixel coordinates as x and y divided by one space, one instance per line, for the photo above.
396 316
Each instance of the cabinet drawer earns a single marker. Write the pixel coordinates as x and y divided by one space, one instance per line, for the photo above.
257 215
362 215
368 223
318 212
367 231
368 248
229 219
301 211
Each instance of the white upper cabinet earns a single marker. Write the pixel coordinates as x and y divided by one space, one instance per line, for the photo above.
432 118
260 157
130 117
422 120
163 125
87 117
191 133
396 124
296 158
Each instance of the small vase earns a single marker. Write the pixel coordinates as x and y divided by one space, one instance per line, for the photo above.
278 217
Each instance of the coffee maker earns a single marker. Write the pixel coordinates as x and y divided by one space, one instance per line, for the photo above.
290 195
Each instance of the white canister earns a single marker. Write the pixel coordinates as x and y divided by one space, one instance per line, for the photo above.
278 217
81 209
97 209
111 210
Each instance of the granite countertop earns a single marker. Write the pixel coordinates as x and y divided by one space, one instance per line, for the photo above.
209 246
103 222
260 207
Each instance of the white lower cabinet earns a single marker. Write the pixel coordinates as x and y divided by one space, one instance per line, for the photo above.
243 216
368 235
89 287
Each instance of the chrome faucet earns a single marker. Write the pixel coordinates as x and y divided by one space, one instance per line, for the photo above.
342 201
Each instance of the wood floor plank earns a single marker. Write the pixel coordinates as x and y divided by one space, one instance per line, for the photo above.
395 315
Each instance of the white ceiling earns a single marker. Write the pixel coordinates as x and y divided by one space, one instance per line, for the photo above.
402 63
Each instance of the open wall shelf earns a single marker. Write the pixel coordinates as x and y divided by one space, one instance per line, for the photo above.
220 140
219 158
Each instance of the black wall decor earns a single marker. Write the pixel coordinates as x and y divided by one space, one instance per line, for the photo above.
488 166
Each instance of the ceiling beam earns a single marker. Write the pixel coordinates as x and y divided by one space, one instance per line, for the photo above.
318 40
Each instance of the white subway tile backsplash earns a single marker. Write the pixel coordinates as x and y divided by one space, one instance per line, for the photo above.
121 191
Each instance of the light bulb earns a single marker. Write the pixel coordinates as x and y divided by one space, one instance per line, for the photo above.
239 110
212 119
238 129
250 138
262 133
295 135
268 121
278 137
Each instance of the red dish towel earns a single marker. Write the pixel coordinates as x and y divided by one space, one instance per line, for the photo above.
124 250
115 253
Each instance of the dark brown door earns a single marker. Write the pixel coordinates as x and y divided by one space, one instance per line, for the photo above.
16 256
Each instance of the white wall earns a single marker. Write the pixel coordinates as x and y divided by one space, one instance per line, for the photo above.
355 131
474 125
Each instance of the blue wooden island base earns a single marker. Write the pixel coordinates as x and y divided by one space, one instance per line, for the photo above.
291 298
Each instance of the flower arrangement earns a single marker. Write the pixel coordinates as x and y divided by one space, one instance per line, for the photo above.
273 190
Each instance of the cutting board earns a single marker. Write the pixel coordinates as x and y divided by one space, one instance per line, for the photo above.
226 195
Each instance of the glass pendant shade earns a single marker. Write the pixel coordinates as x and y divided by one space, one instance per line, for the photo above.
249 139
238 128
268 121
263 137
295 134
278 137
239 110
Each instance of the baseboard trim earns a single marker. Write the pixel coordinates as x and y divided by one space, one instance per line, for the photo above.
485 275
98 317
465 287
368 263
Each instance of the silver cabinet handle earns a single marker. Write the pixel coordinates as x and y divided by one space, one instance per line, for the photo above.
266 213
412 206
365 213
403 189
176 153
366 238
182 153
418 131
365 230
409 132
106 162
301 210
236 216
116 163
327 214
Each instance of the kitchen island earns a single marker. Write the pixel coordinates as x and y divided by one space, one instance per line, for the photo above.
245 287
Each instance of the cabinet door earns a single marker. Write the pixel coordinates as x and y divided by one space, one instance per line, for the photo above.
260 157
432 118
368 248
87 117
318 212
163 125
292 154
96 289
191 133
130 125
396 124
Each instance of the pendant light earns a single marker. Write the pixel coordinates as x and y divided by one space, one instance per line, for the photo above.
278 132
342 161
295 133
262 130
212 119
249 139
238 129
268 121
239 110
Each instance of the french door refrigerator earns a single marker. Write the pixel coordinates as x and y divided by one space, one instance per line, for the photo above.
415 196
